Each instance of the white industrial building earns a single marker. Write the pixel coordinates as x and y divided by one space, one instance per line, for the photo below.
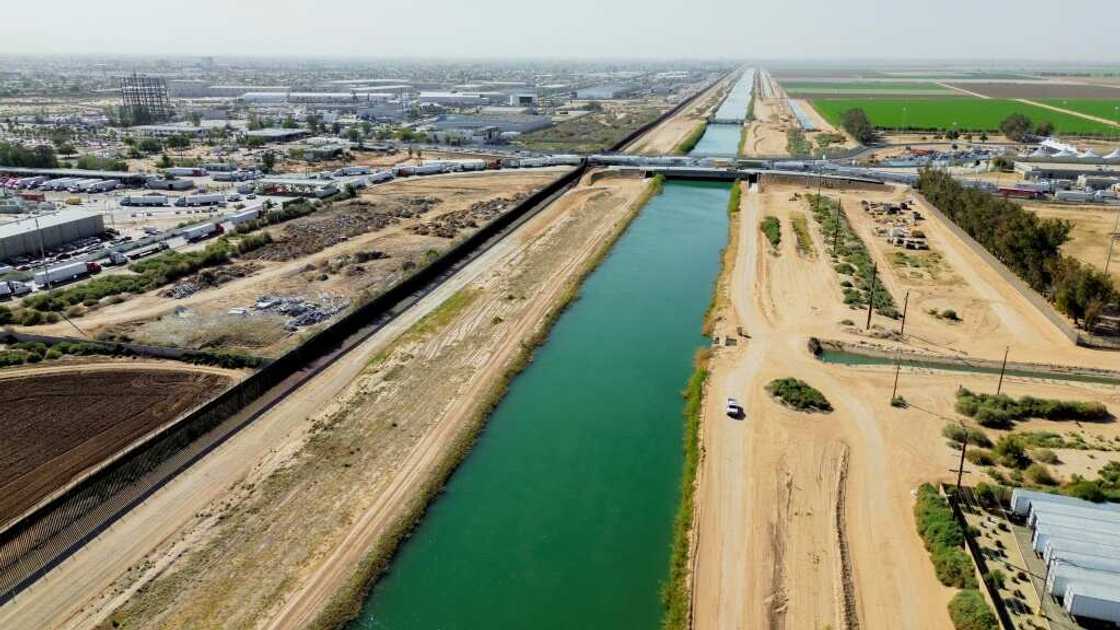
1080 543
31 235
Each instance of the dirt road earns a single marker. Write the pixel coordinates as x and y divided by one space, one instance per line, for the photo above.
274 522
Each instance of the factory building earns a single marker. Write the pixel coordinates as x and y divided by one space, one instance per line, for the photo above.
31 235
1077 540
277 134
603 92
454 99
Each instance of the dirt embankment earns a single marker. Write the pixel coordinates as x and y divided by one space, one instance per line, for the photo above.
61 421
292 533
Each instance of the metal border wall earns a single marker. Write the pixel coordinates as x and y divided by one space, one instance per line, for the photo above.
42 538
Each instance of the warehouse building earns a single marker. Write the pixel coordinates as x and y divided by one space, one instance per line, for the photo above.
31 235
1078 540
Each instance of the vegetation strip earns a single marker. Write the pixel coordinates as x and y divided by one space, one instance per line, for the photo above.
801 231
691 140
851 258
346 604
797 394
772 228
944 540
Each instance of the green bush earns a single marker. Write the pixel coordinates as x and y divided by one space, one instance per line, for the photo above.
1045 455
961 434
1040 475
943 538
772 229
980 457
10 357
5 315
1001 411
226 359
1010 452
969 611
798 395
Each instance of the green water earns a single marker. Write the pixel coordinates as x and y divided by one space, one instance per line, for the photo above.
561 516
719 139
851 358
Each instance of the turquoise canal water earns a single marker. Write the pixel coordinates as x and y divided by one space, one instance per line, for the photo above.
561 515
719 139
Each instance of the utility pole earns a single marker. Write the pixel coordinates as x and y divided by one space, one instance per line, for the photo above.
897 369
905 306
1003 369
1112 241
960 465
871 294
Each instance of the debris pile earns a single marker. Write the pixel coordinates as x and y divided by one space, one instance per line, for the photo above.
480 213
301 312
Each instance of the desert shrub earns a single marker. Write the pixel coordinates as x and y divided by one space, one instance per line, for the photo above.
31 347
1010 452
1000 411
969 611
226 359
961 434
772 228
6 316
980 457
1045 455
1040 475
798 394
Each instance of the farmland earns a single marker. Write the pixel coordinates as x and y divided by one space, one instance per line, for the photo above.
965 114
1039 89
58 423
866 88
1101 108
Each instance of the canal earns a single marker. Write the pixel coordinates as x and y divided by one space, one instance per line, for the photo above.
719 139
561 515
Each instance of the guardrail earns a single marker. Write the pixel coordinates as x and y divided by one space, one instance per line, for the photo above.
37 541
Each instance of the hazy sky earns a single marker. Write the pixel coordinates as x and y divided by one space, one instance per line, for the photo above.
1068 30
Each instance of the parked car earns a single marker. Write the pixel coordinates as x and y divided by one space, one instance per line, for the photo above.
734 409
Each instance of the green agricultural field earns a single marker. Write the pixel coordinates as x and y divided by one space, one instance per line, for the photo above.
966 114
885 88
1108 109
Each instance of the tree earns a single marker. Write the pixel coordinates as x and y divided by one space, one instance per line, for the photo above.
289 122
314 123
1081 291
856 122
354 135
195 118
149 145
983 137
164 162
268 161
1016 127
179 141
1044 128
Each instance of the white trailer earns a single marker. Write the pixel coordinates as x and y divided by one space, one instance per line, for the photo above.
66 272
567 160
471 165
423 169
144 200
244 216
59 184
199 232
377 177
79 185
201 200
104 185
1092 601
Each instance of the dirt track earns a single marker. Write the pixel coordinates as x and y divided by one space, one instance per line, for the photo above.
60 420
274 524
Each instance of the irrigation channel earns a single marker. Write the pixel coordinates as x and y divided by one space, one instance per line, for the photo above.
561 516
722 136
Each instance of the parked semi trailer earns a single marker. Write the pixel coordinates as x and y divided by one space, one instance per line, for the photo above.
144 200
66 273
201 200
199 232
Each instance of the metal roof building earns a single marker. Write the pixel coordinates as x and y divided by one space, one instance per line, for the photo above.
31 235
1080 542
125 177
